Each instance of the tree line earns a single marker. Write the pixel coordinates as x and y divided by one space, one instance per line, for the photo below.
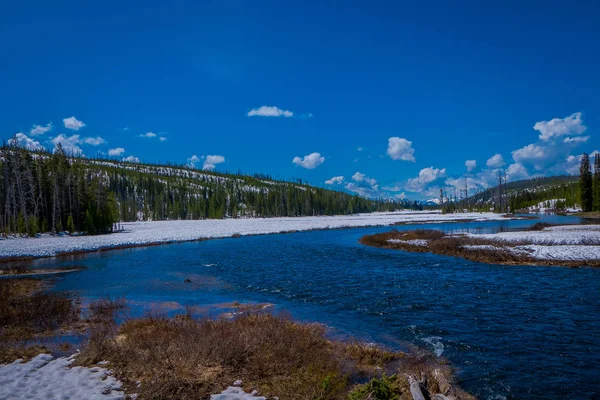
589 183
54 192
42 192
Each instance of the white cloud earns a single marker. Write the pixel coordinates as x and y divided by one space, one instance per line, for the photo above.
471 165
40 129
426 176
73 123
270 111
360 178
94 141
148 135
131 159
334 180
516 171
496 161
400 196
363 185
400 149
70 144
576 139
210 162
310 161
571 125
22 140
116 151
162 139
359 149
531 153
572 163
193 161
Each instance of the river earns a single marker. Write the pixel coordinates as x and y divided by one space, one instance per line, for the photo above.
511 331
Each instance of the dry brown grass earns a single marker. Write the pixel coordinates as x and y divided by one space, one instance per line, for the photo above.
26 312
183 358
495 252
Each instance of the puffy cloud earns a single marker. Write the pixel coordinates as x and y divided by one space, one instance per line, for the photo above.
334 180
73 123
363 185
148 135
162 139
400 196
496 161
193 161
576 139
131 159
22 140
572 163
400 149
531 153
116 151
571 125
40 129
426 176
270 111
471 165
94 141
210 162
70 144
310 161
516 171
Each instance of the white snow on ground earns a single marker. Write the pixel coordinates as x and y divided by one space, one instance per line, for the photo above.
564 243
235 393
47 378
562 252
556 235
414 242
138 233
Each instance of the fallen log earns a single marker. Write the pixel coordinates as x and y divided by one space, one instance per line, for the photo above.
415 387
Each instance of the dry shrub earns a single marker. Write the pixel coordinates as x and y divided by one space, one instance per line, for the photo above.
24 314
27 312
183 358
540 226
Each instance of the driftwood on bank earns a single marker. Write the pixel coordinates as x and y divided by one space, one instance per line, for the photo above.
415 387
442 383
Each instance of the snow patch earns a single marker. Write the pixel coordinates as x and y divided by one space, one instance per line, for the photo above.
45 377
140 233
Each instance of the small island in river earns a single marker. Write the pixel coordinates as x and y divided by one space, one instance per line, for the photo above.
542 244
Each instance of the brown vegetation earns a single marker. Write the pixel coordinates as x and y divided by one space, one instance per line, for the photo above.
491 251
27 312
184 358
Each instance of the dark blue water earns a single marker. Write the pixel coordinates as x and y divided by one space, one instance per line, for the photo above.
512 331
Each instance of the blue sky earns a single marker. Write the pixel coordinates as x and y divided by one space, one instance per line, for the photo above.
394 97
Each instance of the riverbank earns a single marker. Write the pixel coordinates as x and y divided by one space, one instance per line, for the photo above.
563 245
181 357
137 234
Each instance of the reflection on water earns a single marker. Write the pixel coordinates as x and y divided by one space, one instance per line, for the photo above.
514 332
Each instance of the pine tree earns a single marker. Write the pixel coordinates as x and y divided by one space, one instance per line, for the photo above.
596 183
70 224
89 223
585 184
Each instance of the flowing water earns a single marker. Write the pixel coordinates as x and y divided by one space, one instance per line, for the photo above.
511 331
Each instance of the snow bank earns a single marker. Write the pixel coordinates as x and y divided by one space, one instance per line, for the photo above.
140 233
562 252
47 378
556 235
414 242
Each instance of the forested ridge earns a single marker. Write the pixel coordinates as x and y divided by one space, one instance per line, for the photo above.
54 192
